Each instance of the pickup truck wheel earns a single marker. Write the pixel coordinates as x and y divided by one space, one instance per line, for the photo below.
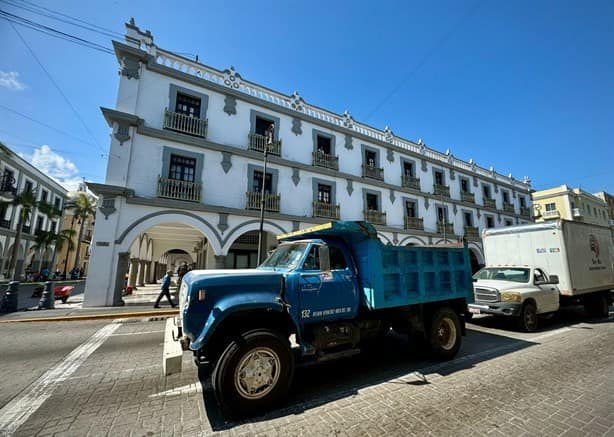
445 334
254 372
527 321
597 306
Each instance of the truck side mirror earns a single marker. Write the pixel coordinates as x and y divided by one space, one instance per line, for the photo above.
324 258
554 279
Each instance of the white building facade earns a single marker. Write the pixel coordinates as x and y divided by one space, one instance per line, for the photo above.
186 169
16 176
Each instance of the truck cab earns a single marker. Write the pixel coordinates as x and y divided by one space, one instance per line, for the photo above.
523 292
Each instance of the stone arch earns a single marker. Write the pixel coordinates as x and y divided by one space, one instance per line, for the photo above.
149 252
138 227
477 256
250 225
412 240
384 239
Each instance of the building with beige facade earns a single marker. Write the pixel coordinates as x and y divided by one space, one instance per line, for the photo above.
570 204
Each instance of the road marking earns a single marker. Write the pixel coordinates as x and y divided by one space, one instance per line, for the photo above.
19 409
186 389
137 333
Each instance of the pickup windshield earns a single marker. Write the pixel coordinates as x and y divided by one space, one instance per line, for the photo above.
503 274
286 256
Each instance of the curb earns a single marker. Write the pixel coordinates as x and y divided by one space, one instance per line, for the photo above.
95 316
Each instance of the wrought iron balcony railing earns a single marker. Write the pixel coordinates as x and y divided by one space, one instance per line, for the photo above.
552 214
414 223
525 211
448 227
271 201
325 210
441 190
26 229
472 232
368 171
375 217
258 143
508 207
325 160
6 224
410 182
490 203
467 197
185 124
179 190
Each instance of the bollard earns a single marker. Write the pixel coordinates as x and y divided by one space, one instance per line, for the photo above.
47 301
9 300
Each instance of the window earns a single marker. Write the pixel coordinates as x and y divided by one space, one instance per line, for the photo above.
506 197
262 124
539 276
323 144
337 260
439 177
3 209
372 202
39 223
370 158
490 222
312 261
442 214
464 184
182 168
53 226
550 206
44 195
508 222
187 105
324 192
411 209
486 191
57 203
408 169
468 219
523 202
257 182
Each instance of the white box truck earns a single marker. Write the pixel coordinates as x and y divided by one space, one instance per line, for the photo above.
535 269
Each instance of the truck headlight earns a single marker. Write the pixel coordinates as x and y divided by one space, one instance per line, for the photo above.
511 296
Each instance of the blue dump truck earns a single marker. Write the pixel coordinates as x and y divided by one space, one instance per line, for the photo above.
331 288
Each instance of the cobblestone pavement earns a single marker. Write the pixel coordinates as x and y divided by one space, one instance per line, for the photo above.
559 381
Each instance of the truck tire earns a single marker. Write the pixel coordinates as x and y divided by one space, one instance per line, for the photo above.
444 335
527 320
597 306
253 373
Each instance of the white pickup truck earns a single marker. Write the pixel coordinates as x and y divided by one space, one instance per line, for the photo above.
535 269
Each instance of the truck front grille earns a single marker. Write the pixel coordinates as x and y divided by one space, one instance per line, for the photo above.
486 294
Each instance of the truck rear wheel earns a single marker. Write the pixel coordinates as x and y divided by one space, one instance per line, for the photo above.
597 305
445 334
254 372
527 320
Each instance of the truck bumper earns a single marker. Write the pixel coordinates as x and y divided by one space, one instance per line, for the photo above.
498 308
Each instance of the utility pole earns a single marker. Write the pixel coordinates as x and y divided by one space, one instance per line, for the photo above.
268 141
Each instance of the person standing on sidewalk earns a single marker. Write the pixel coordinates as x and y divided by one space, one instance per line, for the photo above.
165 289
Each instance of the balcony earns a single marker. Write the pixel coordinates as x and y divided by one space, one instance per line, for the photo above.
325 210
185 124
490 203
368 171
441 190
525 211
6 224
447 228
508 207
410 182
321 159
375 217
258 142
552 214
467 197
472 232
271 201
413 223
7 184
26 229
576 213
179 190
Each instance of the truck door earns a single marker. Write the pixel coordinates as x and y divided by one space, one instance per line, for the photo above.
327 296
549 294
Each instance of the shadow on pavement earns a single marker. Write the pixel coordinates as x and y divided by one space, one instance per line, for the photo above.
393 360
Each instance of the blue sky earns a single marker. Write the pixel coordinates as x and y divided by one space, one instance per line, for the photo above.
524 86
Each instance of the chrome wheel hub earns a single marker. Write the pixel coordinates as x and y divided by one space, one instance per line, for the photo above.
446 334
257 373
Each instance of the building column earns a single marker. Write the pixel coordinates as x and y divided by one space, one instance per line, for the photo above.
220 261
141 274
147 272
134 262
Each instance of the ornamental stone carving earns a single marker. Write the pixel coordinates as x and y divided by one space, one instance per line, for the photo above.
226 161
296 178
426 203
296 102
123 133
350 187
388 134
232 79
392 197
348 142
129 67
390 155
297 128
230 105
348 121
222 224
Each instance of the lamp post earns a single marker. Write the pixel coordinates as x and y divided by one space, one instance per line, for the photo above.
268 140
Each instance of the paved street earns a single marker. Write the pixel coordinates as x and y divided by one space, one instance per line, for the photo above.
103 378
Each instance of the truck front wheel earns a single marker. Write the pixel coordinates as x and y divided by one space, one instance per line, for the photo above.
445 334
254 372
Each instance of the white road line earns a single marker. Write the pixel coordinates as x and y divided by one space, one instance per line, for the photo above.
137 333
18 410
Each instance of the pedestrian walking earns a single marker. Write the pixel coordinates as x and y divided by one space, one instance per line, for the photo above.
165 289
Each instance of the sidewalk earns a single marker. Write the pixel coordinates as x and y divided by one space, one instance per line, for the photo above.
138 304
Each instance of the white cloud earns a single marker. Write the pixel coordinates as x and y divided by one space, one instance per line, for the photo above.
63 170
11 81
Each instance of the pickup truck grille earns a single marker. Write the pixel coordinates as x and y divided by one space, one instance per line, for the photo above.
486 294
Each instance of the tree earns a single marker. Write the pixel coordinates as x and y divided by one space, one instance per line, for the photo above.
52 213
65 236
84 207
25 202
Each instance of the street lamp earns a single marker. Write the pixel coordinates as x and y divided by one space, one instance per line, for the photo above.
268 141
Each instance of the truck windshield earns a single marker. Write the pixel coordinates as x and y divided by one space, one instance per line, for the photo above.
286 256
503 274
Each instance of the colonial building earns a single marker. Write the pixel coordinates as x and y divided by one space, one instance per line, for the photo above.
17 176
185 173
570 204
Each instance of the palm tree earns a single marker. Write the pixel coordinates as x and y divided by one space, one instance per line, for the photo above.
26 202
52 213
64 236
84 207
